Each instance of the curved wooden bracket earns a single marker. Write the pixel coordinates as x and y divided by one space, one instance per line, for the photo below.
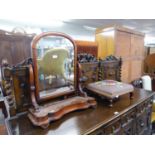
83 93
32 88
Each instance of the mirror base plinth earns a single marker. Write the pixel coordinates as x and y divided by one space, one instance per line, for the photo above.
55 110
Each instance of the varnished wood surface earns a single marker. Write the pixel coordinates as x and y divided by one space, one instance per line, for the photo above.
80 122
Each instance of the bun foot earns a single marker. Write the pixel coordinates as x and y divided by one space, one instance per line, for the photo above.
45 126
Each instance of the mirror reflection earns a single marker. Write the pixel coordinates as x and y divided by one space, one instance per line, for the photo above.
55 60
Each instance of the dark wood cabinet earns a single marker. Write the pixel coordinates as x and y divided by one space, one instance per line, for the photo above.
126 117
15 47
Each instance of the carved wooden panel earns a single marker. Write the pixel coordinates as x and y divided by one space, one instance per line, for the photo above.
21 87
135 121
110 70
88 72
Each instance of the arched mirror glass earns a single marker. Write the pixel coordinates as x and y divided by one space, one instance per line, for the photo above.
54 65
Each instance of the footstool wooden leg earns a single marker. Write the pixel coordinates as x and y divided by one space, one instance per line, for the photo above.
111 103
131 95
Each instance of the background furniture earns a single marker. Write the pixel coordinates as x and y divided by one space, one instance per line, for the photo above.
87 47
124 43
3 114
150 64
126 117
110 68
94 70
15 47
15 84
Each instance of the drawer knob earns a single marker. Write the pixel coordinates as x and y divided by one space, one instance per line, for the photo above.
142 124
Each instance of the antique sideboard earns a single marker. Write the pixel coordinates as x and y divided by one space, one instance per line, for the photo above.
129 117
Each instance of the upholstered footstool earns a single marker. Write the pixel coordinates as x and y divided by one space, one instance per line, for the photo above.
111 89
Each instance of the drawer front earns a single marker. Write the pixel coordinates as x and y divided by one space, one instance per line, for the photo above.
136 121
141 123
114 128
128 123
143 117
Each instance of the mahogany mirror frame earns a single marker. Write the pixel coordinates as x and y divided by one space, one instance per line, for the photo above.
35 66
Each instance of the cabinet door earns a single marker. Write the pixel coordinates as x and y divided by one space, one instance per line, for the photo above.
136 69
137 56
123 41
105 42
137 46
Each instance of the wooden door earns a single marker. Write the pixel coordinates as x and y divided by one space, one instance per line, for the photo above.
137 56
137 46
136 69
123 44
122 49
106 43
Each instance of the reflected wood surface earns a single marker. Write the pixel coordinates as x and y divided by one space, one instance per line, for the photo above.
83 121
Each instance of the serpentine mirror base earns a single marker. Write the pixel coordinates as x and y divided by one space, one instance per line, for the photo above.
55 110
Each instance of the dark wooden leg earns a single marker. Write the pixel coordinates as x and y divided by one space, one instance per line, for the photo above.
2 105
131 95
111 103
